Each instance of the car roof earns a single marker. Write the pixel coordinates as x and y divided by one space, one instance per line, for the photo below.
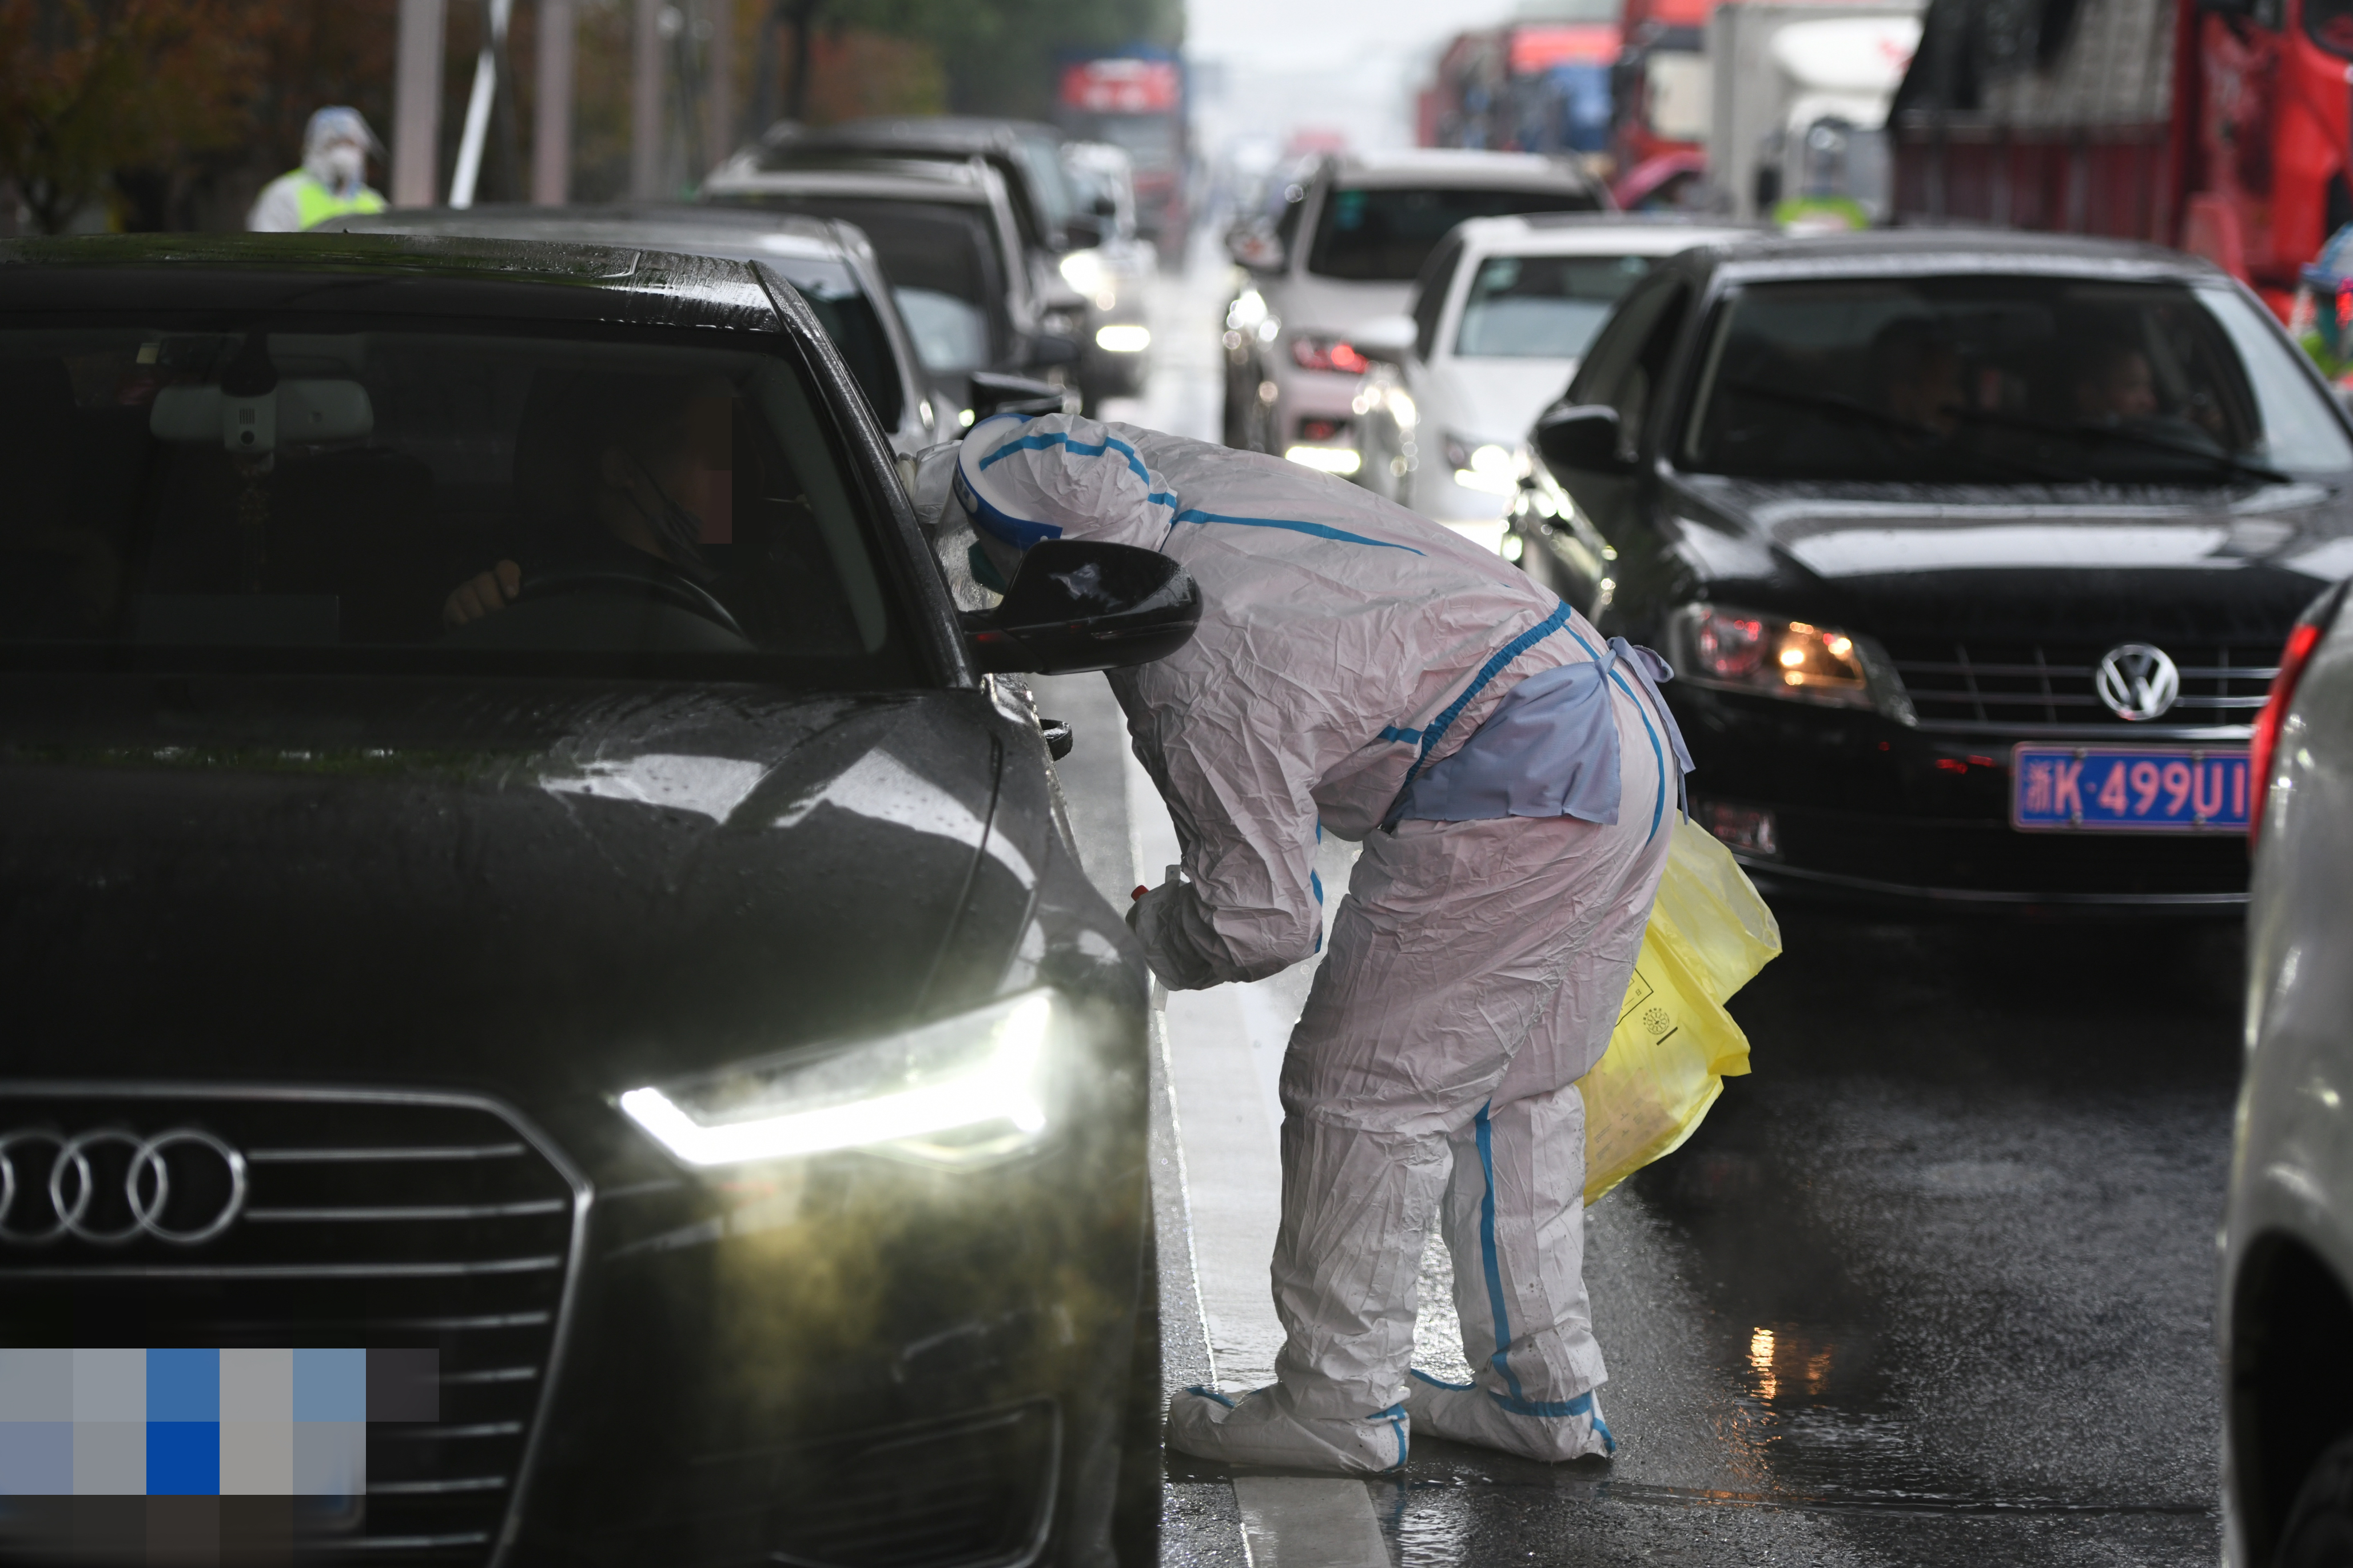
1595 234
1920 251
950 132
453 275
745 233
930 180
1458 166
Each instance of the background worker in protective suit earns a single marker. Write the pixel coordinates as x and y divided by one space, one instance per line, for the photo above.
332 180
1513 779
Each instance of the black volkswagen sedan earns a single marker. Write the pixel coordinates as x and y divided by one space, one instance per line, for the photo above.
1973 554
552 1017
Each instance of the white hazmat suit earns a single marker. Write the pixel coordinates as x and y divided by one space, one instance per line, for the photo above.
1348 651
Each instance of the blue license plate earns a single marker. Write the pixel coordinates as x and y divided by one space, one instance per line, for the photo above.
2179 789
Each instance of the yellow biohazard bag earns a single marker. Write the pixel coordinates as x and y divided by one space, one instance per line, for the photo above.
1675 1044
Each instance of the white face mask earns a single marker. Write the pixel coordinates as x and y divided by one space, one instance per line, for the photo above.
343 165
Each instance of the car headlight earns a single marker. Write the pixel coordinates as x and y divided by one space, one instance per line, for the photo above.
1084 271
1481 466
963 1091
1731 650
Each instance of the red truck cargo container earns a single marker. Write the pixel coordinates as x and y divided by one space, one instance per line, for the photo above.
2223 127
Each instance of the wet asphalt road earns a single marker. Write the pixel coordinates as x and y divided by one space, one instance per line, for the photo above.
1934 1285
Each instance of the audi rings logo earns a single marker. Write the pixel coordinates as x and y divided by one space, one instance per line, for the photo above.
110 1186
2137 681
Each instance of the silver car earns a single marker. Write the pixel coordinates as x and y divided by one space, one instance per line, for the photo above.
2286 1313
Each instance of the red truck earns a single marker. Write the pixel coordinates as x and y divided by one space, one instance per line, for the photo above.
1659 88
2223 127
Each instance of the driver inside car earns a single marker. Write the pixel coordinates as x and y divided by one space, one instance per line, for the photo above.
627 463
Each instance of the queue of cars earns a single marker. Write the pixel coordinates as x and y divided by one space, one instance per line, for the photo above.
656 1011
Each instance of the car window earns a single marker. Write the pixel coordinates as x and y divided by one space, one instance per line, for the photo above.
848 318
1430 299
1630 358
1386 235
945 248
296 494
1542 306
1997 380
951 334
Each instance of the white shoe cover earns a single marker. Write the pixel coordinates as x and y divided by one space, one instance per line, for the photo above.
1259 1429
1466 1413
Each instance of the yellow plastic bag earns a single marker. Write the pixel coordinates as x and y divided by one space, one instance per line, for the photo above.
1675 1044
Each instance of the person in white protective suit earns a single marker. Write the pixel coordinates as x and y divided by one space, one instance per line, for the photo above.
1513 778
332 180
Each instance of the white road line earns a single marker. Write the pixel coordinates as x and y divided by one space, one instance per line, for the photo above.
1297 1523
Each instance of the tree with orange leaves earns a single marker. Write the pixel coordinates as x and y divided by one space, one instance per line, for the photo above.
92 87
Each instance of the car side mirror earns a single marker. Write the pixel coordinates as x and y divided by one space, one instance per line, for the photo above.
1048 350
1386 338
995 392
1078 605
1254 246
1082 231
1582 437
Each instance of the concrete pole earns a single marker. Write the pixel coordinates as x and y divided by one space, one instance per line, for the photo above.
646 103
718 79
551 138
416 103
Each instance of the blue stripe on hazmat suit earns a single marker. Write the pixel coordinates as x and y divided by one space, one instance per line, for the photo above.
1509 772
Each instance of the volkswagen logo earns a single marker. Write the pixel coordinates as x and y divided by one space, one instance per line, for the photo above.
2137 681
110 1186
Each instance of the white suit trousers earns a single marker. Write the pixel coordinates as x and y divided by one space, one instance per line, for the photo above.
1475 972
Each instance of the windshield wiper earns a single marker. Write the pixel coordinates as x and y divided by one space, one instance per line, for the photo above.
2089 433
1833 404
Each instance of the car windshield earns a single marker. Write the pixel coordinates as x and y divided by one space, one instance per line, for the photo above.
313 494
1385 235
1541 307
2005 380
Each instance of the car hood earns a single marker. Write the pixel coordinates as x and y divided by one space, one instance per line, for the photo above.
2088 562
1496 399
462 886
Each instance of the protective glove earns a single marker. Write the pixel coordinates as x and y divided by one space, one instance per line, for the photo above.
1148 915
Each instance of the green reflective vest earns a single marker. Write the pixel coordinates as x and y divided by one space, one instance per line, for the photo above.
316 203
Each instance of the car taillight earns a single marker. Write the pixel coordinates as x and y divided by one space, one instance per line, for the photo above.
1310 351
2264 746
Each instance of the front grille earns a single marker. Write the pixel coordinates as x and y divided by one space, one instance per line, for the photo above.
379 1221
2022 685
975 1491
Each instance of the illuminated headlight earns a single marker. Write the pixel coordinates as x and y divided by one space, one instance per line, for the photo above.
1481 466
1772 656
1083 270
1326 460
963 1091
1123 338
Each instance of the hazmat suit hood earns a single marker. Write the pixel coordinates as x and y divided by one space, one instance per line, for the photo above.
336 146
1107 493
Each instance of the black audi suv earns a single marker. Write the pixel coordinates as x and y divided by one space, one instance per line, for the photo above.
1973 553
553 1016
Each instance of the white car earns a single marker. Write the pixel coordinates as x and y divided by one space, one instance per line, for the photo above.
1497 322
2286 1311
1345 246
